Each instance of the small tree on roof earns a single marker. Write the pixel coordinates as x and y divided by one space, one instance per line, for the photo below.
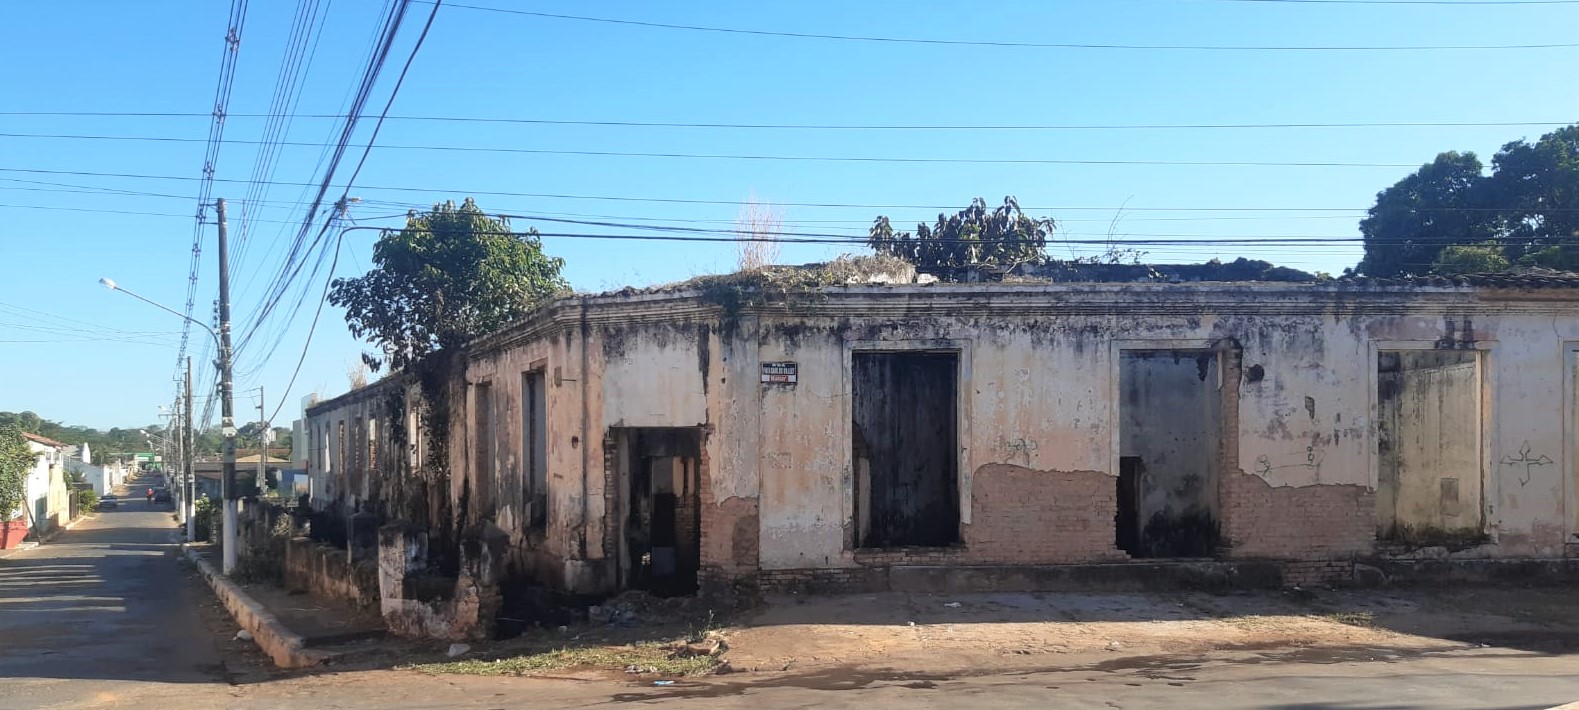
1004 236
452 274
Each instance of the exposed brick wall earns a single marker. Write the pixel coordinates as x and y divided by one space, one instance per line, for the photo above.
685 522
1312 573
1322 522
611 499
730 533
1023 516
823 581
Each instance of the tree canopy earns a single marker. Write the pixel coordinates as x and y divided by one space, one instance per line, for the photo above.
1450 215
104 444
452 274
16 459
1003 236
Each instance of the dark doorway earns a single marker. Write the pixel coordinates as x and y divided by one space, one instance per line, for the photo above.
662 540
1170 453
1429 483
906 448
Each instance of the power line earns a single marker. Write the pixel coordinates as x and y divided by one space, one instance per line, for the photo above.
866 222
126 212
788 158
738 203
288 85
1006 44
399 81
300 249
216 133
841 126
1148 239
327 146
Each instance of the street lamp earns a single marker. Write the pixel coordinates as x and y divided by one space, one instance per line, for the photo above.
110 284
227 423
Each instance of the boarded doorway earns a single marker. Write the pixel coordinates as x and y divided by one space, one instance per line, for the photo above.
905 441
1429 482
1170 452
661 476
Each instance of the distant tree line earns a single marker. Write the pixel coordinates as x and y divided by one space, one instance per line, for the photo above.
105 445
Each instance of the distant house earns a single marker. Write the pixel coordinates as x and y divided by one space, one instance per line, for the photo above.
46 499
104 479
210 473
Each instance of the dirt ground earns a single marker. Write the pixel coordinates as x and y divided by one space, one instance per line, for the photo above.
1004 631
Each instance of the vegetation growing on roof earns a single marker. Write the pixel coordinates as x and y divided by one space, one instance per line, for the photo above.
1004 236
451 275
787 284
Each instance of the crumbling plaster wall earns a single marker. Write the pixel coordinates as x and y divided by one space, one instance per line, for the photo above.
1530 467
1039 392
554 353
1038 413
353 473
1032 397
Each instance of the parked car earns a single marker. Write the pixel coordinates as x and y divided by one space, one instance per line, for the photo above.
161 496
108 501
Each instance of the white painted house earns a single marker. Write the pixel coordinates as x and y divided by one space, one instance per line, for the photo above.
45 497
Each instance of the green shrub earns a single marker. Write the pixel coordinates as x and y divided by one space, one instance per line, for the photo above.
87 500
208 519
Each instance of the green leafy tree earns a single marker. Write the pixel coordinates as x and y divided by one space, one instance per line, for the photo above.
1527 209
1003 236
1536 188
1471 259
452 274
1434 207
282 438
16 460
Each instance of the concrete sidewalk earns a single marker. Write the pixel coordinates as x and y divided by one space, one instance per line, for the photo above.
295 630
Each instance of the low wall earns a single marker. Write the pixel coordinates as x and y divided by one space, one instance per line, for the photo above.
327 573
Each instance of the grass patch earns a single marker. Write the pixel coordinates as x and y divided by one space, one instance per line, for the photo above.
1250 622
649 658
1362 619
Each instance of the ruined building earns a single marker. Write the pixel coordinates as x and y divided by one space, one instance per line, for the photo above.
735 436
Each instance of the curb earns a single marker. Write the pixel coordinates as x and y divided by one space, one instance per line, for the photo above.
285 647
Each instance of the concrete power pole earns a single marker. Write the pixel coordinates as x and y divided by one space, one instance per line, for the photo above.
263 440
188 471
227 421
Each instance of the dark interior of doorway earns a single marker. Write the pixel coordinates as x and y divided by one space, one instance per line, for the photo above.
1171 419
906 448
663 534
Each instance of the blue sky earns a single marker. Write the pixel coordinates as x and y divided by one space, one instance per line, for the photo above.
76 352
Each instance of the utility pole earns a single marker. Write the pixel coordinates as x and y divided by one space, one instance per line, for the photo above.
263 440
227 419
188 471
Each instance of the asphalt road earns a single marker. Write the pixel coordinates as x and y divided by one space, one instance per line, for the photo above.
106 606
107 616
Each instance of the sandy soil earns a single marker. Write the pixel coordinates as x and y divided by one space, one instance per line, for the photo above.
1002 631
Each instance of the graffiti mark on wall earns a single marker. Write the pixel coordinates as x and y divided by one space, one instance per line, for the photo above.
1528 462
1309 461
1016 449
